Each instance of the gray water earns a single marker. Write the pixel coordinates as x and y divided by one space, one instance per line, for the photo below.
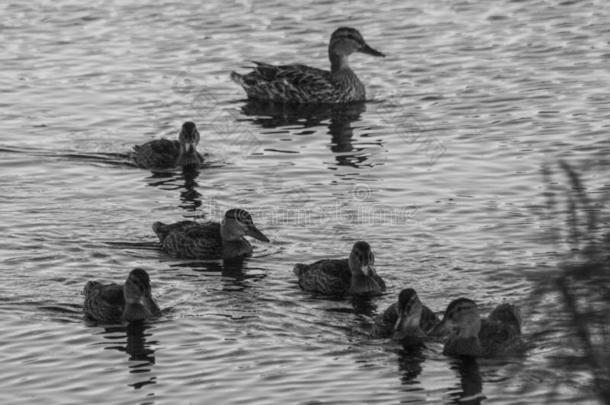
440 172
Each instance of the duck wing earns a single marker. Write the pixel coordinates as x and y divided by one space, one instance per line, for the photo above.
160 153
192 240
286 83
328 276
508 314
103 303
498 338
384 323
428 319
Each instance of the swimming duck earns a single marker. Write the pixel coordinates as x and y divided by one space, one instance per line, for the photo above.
167 154
210 240
302 84
499 334
114 303
407 320
353 276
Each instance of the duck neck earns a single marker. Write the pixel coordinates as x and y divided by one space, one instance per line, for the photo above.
362 284
338 63
236 248
229 233
463 346
135 311
465 342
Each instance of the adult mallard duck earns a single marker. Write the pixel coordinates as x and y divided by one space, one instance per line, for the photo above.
210 240
407 320
167 154
469 335
352 276
114 303
303 84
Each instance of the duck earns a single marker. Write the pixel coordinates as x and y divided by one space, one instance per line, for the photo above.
116 303
301 84
355 275
407 320
168 154
210 240
469 335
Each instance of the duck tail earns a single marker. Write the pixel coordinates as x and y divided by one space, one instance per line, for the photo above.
90 287
237 78
161 230
508 314
299 269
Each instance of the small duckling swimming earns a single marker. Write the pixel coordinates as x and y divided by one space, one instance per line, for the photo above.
167 154
499 334
302 84
114 303
407 320
353 276
210 240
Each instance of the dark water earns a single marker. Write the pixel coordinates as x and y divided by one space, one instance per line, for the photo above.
440 172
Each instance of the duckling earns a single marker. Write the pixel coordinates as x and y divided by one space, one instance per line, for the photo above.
210 240
353 276
407 320
114 303
300 84
499 334
166 154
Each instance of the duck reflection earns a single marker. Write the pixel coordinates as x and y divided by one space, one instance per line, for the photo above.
137 346
185 181
364 305
234 277
470 380
410 360
340 117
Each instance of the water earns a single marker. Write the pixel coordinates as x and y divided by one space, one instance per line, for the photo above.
440 172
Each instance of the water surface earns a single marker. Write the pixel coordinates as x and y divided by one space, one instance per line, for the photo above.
440 172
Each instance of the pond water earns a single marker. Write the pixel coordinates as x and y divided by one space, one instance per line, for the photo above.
441 172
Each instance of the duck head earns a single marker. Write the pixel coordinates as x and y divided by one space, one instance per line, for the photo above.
189 139
345 41
136 291
238 223
362 260
461 320
409 310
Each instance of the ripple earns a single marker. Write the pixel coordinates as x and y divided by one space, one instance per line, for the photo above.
440 172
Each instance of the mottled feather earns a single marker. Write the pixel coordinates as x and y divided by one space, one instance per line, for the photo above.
500 334
384 324
190 239
103 303
334 277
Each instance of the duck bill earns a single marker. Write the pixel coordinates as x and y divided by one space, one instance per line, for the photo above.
441 329
256 234
370 51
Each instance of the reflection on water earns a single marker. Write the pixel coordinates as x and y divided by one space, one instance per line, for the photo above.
470 101
234 276
338 119
471 384
135 340
190 198
410 365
